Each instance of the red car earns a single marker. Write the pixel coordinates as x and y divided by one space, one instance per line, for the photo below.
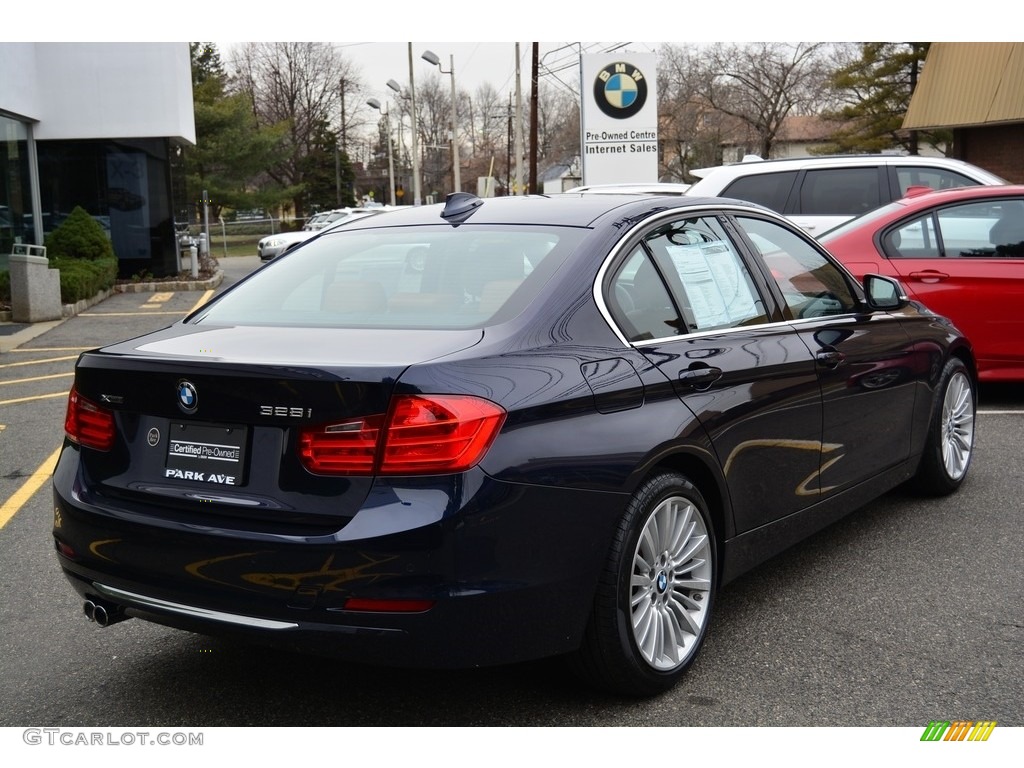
958 251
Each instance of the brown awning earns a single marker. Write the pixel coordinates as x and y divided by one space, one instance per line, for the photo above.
966 84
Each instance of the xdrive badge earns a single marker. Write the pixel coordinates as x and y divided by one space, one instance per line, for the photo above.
188 398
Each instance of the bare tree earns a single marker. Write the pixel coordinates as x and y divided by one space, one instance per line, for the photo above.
489 119
433 116
308 86
558 129
690 129
760 84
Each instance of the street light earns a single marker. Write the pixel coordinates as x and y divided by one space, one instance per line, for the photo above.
391 163
394 86
433 59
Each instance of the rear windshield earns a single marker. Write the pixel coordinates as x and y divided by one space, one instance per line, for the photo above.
400 277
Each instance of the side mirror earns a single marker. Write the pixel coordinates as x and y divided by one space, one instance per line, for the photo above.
884 293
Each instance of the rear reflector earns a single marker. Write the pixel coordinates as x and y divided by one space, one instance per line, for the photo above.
88 424
388 606
421 434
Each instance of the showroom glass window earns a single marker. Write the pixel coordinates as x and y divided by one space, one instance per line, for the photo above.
15 187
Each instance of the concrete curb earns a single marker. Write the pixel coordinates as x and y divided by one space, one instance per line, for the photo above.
7 343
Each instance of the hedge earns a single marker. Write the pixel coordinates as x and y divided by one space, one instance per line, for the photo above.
84 278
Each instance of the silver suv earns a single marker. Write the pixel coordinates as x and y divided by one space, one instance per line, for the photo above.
819 193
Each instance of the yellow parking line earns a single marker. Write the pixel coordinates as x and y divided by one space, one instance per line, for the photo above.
37 378
202 300
28 488
125 314
37 362
52 349
33 397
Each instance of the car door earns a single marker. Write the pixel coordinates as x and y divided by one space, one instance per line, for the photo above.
867 366
827 197
967 262
684 296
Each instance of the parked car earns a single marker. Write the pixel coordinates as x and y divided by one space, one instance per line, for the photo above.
652 188
819 193
496 430
272 246
960 252
326 218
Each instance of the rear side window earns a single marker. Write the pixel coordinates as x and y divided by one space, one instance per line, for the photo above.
768 189
840 191
685 277
987 229
936 178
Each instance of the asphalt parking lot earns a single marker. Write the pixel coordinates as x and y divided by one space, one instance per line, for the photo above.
906 612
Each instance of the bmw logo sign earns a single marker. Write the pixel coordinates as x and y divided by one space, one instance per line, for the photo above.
188 398
620 90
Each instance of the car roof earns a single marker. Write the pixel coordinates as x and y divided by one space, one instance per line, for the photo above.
650 188
755 165
575 209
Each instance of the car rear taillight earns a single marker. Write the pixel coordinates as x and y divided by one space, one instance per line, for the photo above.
420 434
87 424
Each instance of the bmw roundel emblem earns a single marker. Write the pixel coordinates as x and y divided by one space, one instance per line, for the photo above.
188 398
620 90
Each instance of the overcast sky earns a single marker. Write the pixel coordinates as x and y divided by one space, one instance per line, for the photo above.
475 63
736 20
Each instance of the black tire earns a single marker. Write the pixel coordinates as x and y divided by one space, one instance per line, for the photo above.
653 585
950 442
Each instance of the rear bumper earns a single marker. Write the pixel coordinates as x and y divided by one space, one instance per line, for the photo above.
510 571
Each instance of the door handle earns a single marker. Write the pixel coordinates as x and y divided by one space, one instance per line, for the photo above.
830 358
700 378
929 276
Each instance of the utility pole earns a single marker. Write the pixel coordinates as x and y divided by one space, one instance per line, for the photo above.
534 78
519 127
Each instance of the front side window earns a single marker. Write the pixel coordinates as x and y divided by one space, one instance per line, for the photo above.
811 284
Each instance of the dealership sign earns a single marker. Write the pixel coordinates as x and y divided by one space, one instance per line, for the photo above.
619 123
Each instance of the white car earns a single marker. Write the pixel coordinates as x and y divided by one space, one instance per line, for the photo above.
326 218
652 188
271 246
819 193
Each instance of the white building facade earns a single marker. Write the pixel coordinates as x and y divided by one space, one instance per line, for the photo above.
95 125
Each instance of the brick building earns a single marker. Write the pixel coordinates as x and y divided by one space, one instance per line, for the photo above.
977 91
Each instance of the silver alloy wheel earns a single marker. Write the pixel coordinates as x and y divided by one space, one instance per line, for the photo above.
957 425
670 585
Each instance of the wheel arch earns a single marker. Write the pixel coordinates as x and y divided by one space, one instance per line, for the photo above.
711 486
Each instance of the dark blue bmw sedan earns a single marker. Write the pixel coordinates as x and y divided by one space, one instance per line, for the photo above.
496 430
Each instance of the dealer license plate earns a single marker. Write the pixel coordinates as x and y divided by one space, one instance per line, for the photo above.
206 453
